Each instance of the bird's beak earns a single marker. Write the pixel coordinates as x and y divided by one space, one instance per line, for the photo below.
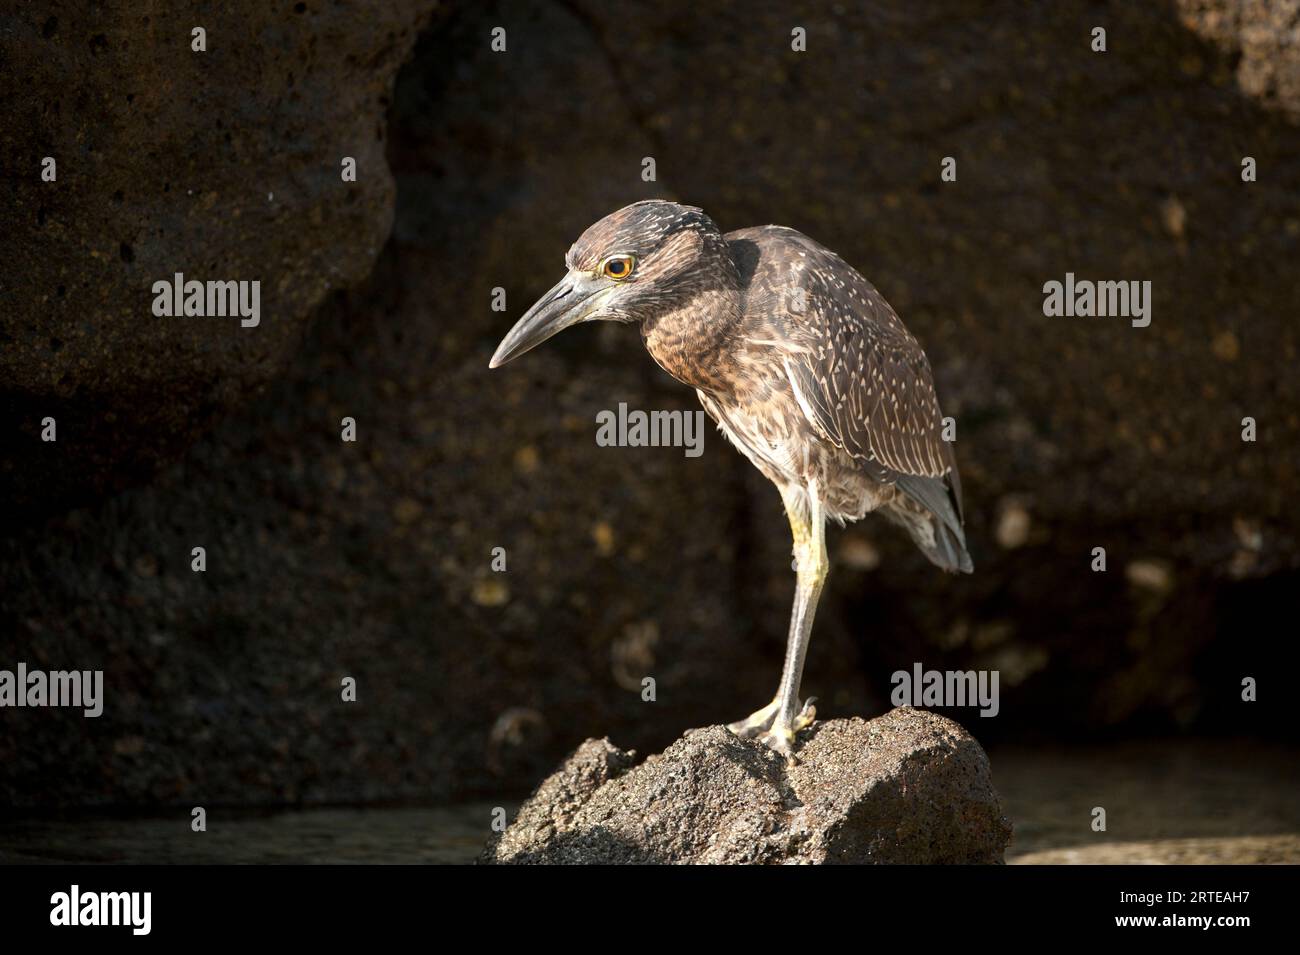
574 299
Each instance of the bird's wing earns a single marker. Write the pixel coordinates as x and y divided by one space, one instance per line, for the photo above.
864 383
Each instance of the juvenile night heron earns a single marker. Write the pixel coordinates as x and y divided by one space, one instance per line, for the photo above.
803 365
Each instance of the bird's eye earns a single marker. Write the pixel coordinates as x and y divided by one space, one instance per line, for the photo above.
619 266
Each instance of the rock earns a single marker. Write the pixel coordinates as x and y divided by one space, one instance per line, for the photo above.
907 787
224 165
1259 40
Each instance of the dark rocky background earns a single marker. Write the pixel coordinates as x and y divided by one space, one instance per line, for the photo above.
477 170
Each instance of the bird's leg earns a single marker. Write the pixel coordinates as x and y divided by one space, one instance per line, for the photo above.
776 724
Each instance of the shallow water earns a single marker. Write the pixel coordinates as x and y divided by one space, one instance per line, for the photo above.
1165 803
1228 801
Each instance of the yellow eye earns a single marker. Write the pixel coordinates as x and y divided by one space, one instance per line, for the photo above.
619 266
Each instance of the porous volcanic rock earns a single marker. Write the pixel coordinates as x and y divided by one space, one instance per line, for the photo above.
908 787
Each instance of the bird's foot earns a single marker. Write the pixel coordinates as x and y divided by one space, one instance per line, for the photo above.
767 727
755 723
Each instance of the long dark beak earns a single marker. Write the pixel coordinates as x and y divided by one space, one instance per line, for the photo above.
555 311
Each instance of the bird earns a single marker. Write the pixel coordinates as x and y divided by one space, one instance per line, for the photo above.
804 367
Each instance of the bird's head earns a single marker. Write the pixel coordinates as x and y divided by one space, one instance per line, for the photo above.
638 261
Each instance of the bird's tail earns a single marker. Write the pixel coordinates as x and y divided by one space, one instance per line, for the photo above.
949 549
930 510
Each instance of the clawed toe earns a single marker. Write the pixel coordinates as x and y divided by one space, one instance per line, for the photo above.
807 716
755 723
767 727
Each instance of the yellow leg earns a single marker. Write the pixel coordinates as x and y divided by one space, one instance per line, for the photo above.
776 724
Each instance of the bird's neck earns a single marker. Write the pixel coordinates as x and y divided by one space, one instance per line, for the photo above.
693 339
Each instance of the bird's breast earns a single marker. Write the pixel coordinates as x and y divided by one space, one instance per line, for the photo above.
692 346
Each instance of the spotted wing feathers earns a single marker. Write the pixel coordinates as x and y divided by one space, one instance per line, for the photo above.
864 383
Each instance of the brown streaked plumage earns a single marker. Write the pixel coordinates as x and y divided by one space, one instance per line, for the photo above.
805 368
